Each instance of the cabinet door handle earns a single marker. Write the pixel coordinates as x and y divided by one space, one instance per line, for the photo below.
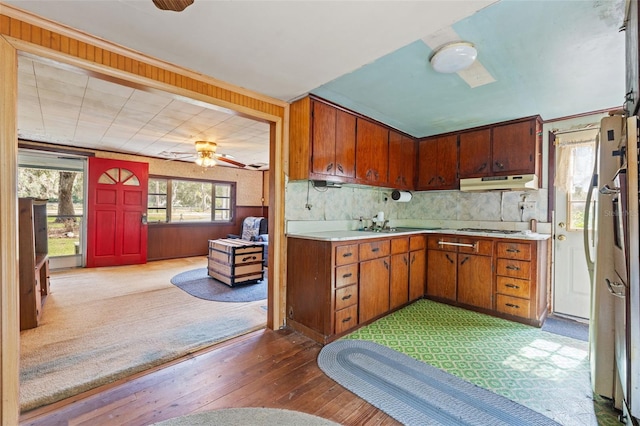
449 259
512 286
413 258
347 275
431 180
441 179
404 259
375 249
499 165
347 297
347 255
481 168
244 259
347 319
511 305
340 168
329 167
512 250
513 268
464 260
386 265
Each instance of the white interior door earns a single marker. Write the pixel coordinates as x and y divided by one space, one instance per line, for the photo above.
575 156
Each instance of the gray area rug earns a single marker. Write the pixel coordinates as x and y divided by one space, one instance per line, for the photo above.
248 416
416 393
198 284
566 327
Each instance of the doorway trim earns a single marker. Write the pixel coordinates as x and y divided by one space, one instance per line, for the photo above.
25 33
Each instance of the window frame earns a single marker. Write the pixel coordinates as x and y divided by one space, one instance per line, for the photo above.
169 196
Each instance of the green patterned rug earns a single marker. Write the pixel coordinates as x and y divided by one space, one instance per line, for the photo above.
546 372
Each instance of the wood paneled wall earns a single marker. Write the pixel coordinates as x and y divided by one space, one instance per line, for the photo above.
170 241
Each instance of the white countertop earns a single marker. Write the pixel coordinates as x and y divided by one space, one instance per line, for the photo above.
361 235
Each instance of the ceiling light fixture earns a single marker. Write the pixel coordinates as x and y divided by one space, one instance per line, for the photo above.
454 57
206 152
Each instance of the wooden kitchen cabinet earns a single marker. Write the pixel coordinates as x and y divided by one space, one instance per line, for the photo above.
475 153
402 161
322 141
442 270
499 276
501 149
408 270
335 287
520 274
460 270
438 163
372 153
34 260
399 277
373 298
475 273
417 267
517 148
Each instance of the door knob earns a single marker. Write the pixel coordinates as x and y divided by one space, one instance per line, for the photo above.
562 237
562 225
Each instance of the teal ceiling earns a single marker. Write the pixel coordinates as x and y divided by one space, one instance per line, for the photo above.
552 58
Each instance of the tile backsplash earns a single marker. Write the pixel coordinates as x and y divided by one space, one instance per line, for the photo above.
306 203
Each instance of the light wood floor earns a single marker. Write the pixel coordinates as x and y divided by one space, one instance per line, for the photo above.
266 368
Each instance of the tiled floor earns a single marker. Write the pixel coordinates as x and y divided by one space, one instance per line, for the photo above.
546 372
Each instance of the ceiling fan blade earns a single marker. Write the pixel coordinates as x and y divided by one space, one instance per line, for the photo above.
230 161
174 5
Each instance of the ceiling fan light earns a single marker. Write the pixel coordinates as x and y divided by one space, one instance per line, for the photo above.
206 152
454 57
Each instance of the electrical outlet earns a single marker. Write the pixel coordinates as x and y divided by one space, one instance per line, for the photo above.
527 205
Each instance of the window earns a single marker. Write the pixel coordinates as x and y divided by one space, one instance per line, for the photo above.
191 201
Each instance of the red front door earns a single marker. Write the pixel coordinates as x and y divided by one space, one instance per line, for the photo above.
116 216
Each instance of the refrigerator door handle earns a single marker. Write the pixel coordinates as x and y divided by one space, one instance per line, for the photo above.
616 289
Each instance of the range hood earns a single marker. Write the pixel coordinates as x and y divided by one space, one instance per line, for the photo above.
499 182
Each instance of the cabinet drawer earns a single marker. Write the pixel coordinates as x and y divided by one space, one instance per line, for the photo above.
346 275
399 245
374 250
520 251
346 296
481 247
513 305
346 254
417 243
514 268
346 319
513 287
440 243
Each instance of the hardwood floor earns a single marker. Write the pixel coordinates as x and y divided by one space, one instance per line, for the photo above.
266 368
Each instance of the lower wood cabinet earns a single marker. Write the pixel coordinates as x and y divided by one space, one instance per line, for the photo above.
505 277
335 287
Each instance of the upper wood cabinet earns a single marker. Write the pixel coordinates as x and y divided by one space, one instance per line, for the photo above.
438 163
502 149
372 153
322 141
516 147
475 153
402 161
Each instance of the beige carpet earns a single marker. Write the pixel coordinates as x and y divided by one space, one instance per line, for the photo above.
99 325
